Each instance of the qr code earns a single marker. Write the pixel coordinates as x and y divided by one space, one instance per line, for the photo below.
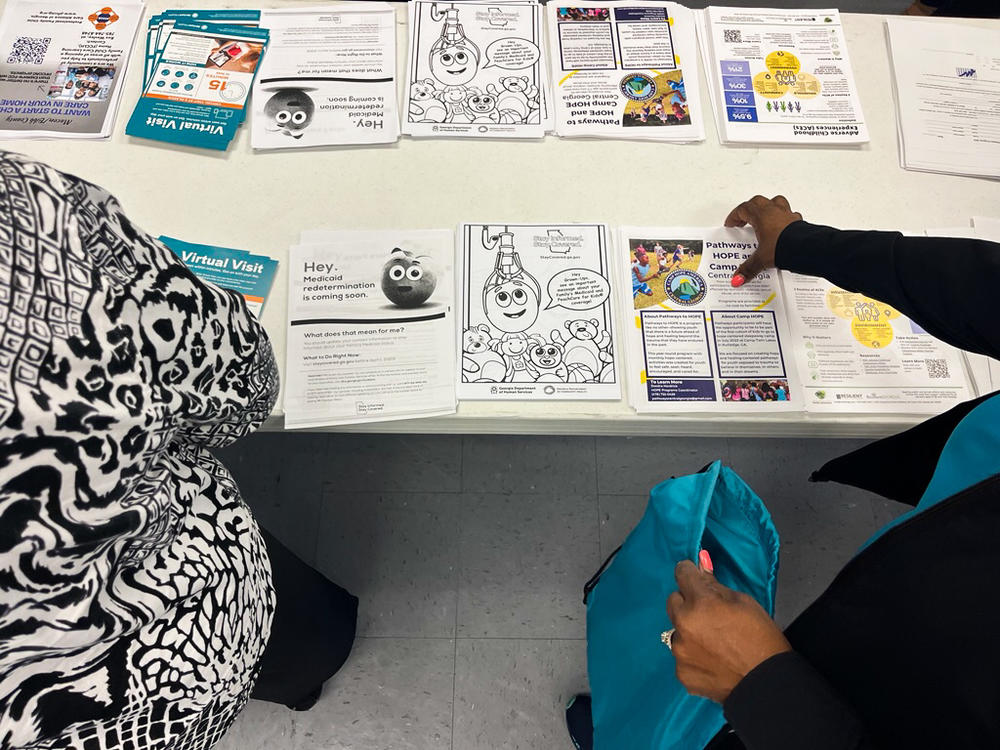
937 369
29 50
732 36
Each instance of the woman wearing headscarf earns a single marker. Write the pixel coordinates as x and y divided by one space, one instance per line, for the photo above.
136 592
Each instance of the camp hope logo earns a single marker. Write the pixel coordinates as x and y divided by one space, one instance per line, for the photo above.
638 87
685 287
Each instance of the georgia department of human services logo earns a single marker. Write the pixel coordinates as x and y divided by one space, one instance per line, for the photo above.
638 87
685 287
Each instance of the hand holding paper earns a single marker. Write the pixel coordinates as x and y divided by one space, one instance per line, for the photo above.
768 219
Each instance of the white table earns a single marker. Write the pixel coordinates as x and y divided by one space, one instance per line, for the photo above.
260 201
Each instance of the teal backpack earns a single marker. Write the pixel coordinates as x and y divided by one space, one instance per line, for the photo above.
637 701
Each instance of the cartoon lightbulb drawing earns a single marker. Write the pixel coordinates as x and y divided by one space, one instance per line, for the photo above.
454 58
511 295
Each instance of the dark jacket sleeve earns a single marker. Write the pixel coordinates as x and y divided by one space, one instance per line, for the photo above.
785 704
948 286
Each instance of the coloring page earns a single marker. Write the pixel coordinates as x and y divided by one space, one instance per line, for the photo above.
537 315
474 70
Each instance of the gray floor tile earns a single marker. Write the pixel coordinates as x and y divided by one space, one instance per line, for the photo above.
619 514
264 725
821 525
397 553
495 463
633 466
406 463
523 560
393 694
511 693
281 477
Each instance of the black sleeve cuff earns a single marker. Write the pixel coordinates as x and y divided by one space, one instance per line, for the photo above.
797 249
785 704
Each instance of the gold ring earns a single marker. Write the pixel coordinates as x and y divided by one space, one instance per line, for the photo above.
667 637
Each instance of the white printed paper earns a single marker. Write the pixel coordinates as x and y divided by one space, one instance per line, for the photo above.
858 354
781 76
987 228
475 70
694 341
328 78
947 86
371 327
537 315
62 66
625 70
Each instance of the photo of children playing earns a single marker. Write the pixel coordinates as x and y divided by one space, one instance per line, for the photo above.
81 82
669 106
584 14
653 260
755 390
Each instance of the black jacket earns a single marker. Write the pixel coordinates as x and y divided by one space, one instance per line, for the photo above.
903 649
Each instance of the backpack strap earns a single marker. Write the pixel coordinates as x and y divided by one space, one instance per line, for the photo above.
589 585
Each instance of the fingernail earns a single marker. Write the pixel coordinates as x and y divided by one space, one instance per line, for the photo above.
738 280
706 561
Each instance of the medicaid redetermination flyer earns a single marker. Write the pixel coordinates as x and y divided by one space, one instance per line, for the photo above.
537 313
371 327
855 354
329 78
62 66
694 340
625 70
475 70
781 76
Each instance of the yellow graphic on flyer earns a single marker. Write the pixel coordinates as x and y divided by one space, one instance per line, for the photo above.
784 74
870 319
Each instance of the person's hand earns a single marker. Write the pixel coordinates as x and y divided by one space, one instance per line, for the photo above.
720 635
768 218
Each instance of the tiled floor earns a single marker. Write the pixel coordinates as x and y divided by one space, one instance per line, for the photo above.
469 556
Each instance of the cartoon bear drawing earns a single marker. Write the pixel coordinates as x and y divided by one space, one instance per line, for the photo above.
480 107
517 98
424 103
480 364
547 361
587 344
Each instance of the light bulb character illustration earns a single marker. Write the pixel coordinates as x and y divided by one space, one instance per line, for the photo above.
511 295
454 58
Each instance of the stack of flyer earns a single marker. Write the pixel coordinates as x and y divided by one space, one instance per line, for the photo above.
237 270
780 76
329 77
946 81
371 327
199 73
781 342
62 65
625 70
476 70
